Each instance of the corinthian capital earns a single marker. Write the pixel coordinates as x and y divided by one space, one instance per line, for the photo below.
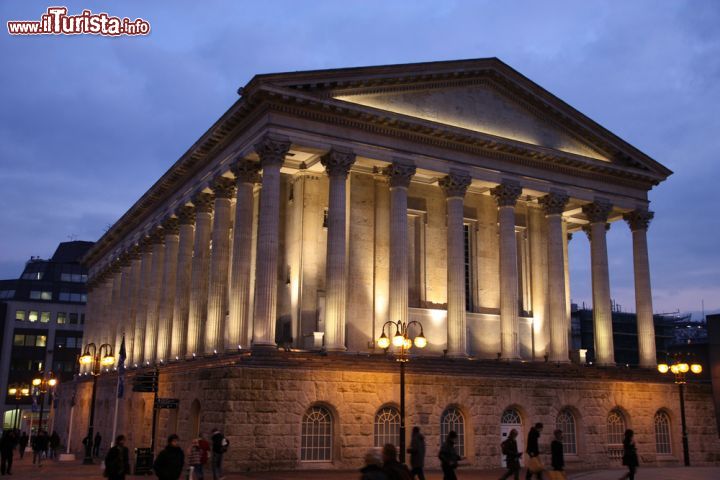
598 211
639 219
507 193
203 202
223 187
455 184
399 174
272 150
246 171
171 226
338 162
186 215
554 203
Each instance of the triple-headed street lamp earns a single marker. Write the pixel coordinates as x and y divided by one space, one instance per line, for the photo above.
402 341
43 384
680 368
95 358
18 391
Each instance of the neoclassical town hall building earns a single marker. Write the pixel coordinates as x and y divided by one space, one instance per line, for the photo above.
258 273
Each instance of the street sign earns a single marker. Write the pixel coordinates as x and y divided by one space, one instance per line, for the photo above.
170 403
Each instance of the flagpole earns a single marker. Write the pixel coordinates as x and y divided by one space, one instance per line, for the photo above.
115 417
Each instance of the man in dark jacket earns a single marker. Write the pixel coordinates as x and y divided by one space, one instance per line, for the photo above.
449 457
40 446
533 448
96 444
417 454
556 452
169 463
23 443
117 460
7 447
393 469
373 467
219 447
512 456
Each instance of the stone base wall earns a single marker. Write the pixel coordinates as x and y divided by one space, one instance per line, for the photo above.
259 402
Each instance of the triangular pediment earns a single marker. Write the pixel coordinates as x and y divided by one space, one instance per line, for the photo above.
481 108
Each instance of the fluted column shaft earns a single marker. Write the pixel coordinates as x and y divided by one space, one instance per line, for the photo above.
506 195
399 176
597 214
133 300
554 205
153 304
224 189
199 273
337 163
144 292
181 304
246 174
639 221
272 155
455 185
123 310
113 310
167 290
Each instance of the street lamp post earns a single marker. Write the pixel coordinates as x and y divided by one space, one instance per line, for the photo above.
402 341
42 384
680 368
18 391
96 358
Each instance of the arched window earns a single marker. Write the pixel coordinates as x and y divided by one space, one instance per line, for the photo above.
509 421
565 421
452 420
662 433
387 427
316 437
615 433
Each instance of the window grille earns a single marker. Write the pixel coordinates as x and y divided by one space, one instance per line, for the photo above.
662 433
566 422
452 419
316 441
387 427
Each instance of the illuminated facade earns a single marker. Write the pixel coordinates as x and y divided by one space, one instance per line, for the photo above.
323 204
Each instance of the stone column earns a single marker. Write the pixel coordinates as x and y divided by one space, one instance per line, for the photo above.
399 176
171 230
246 175
224 189
132 303
597 214
123 310
455 185
144 291
181 304
639 220
272 153
554 204
199 272
153 300
506 195
113 308
566 261
337 164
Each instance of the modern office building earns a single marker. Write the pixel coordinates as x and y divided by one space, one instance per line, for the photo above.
43 316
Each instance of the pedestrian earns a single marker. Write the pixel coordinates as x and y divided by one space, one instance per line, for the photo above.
512 456
54 444
534 466
373 466
220 445
169 463
630 456
393 469
557 456
8 442
204 450
22 444
194 455
449 457
417 454
40 446
96 445
117 460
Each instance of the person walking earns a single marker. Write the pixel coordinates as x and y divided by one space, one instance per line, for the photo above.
417 454
169 463
630 457
117 460
373 469
96 445
393 469
8 442
39 447
557 456
22 444
194 456
204 450
449 457
534 465
220 445
54 445
512 456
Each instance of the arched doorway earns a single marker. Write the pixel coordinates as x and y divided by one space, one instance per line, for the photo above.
511 419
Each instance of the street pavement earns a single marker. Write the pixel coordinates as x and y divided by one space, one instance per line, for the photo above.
25 470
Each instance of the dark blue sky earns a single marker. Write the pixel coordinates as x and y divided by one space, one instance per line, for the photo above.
87 124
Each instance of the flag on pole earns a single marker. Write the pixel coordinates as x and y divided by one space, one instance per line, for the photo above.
121 369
